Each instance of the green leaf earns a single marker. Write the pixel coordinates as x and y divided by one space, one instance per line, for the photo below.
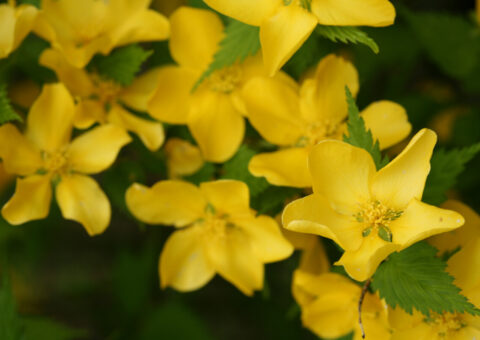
416 278
204 174
121 65
10 323
446 167
43 328
347 34
272 200
35 3
7 114
359 136
240 41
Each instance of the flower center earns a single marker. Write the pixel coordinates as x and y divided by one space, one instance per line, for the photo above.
54 162
215 225
446 323
106 91
302 3
377 217
318 131
226 79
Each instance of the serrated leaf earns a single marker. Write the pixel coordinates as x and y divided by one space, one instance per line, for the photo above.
7 113
416 278
121 65
347 34
446 167
359 136
240 41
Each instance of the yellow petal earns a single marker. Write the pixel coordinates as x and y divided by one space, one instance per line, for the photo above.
314 215
150 132
81 199
286 167
422 331
167 202
97 149
466 333
183 264
183 158
227 196
26 15
267 241
234 259
314 258
89 112
49 122
139 93
251 12
195 36
19 155
323 97
81 56
375 13
421 220
282 34
463 266
272 108
216 125
342 173
31 200
7 27
404 178
170 102
362 263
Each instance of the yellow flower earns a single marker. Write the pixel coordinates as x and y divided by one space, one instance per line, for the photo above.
286 24
183 158
369 213
15 24
80 29
100 100
297 119
44 154
219 233
463 266
213 112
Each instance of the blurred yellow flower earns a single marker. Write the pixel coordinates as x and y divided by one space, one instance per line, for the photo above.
44 154
369 213
286 24
100 100
80 29
297 119
15 24
219 233
183 158
213 112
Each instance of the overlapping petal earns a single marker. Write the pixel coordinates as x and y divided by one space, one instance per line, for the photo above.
251 12
138 94
227 197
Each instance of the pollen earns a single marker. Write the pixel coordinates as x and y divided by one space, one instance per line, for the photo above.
215 224
318 131
225 80
376 216
446 323
55 162
106 91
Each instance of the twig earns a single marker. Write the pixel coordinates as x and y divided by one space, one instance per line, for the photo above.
360 303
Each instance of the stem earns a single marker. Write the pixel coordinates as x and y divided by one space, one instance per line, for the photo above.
360 303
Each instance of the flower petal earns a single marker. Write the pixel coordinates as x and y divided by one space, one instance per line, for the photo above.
150 132
183 158
49 122
463 266
183 264
139 93
7 27
404 178
216 125
342 173
31 200
286 167
388 122
97 149
375 13
26 15
282 34
195 37
175 203
227 196
81 199
147 25
251 12
89 112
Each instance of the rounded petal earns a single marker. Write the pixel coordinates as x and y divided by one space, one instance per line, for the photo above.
7 27
49 122
97 149
89 112
251 12
26 15
404 178
314 215
286 167
227 196
463 266
466 333
420 221
272 108
139 93
167 202
31 200
422 331
314 258
282 34
216 125
150 132
375 13
388 122
183 158
81 56
81 199
147 25
183 264
342 173
195 36
170 102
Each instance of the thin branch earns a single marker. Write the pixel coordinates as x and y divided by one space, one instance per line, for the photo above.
360 303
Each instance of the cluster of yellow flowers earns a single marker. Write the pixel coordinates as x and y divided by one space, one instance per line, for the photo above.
370 214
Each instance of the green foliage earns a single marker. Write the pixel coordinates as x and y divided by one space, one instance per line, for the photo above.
359 136
25 58
204 174
416 278
7 114
122 64
10 324
347 34
43 328
240 41
446 167
35 3
272 200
